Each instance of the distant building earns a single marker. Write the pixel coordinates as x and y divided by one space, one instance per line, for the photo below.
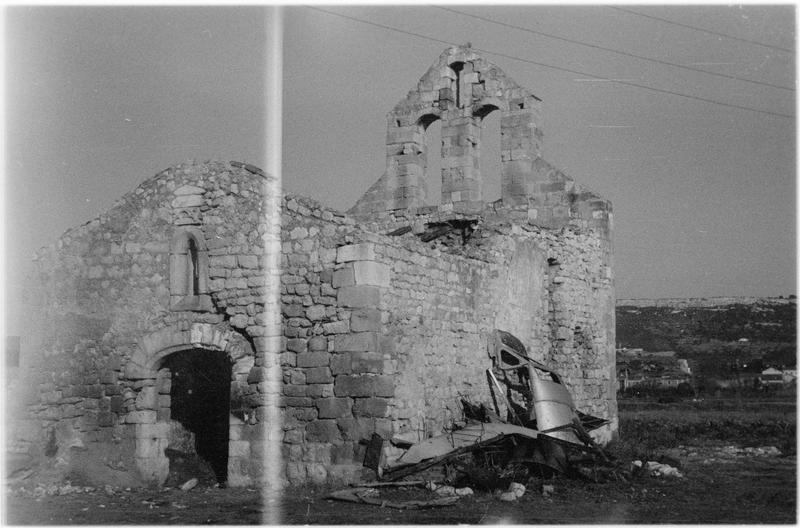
771 376
670 382
627 383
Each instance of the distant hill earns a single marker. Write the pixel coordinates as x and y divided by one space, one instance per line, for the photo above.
734 326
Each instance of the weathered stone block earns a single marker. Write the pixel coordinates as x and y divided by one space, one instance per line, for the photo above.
372 273
239 321
359 296
261 374
293 310
355 429
320 390
248 261
317 344
337 327
362 251
313 359
343 277
376 407
295 390
293 436
358 342
322 431
105 419
365 320
341 364
334 407
342 453
367 362
185 190
316 312
318 375
363 386
290 401
117 404
297 345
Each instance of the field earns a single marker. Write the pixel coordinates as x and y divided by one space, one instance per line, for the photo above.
648 426
720 446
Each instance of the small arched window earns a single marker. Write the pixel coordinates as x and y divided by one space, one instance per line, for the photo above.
194 268
188 278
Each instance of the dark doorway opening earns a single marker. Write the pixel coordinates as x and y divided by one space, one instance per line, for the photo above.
200 401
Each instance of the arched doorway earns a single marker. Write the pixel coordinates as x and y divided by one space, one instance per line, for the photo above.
199 398
214 363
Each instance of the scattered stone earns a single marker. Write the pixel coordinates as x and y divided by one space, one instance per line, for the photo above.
517 489
656 469
445 491
189 484
508 496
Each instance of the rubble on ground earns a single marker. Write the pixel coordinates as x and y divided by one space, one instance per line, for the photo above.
533 424
656 469
724 454
532 429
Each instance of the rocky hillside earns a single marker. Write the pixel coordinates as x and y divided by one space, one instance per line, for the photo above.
764 327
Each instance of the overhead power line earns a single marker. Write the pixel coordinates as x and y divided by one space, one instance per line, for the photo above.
703 30
619 52
558 68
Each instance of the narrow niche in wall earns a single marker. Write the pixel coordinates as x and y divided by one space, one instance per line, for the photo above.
188 276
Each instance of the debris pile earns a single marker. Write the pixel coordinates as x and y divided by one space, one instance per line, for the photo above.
45 490
531 430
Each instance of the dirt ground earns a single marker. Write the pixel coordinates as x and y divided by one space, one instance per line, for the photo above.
719 486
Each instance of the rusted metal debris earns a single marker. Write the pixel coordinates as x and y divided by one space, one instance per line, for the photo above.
548 405
541 426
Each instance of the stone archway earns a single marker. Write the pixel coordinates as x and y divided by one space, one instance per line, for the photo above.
152 426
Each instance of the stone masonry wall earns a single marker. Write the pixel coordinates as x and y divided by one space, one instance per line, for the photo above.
386 333
371 329
444 303
106 317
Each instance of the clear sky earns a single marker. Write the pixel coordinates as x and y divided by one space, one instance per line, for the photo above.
99 99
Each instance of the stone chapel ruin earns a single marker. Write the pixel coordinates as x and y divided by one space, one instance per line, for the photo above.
273 336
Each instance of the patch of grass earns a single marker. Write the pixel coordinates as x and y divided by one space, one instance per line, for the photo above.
648 429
